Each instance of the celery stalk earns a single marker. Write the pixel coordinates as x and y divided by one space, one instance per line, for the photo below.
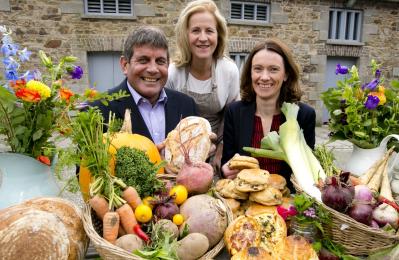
259 152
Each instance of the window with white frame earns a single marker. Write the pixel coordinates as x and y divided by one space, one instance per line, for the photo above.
109 7
250 11
345 25
239 59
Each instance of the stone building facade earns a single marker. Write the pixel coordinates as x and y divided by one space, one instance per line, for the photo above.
61 27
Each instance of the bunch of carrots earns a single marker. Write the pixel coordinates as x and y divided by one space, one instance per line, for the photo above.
112 200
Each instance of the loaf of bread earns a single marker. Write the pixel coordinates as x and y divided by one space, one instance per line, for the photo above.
28 233
189 138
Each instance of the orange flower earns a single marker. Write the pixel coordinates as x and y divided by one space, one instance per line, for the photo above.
381 97
66 94
28 95
91 93
44 159
17 84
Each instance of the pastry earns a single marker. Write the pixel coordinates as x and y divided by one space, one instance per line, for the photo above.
256 209
241 233
269 196
252 253
296 248
249 180
241 162
227 189
190 137
277 181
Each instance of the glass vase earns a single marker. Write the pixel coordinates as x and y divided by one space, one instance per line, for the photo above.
305 229
22 177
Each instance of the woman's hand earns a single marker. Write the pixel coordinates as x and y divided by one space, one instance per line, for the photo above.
229 173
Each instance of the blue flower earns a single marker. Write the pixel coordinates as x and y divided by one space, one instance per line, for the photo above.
10 63
11 75
9 49
29 75
24 55
371 85
341 69
378 73
371 102
76 73
6 39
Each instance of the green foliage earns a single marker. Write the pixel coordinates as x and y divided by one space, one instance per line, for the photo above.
351 119
135 169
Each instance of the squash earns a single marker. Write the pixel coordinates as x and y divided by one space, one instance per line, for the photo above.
124 137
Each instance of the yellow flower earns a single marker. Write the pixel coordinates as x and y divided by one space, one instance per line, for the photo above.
381 89
40 87
381 97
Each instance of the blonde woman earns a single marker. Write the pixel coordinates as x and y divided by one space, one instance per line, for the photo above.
200 68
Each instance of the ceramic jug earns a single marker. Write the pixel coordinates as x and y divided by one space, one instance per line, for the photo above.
362 159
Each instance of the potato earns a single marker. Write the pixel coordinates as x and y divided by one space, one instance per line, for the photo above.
130 242
192 246
168 225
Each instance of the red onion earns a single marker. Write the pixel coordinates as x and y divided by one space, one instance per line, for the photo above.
386 214
166 210
361 212
374 224
324 254
336 196
363 194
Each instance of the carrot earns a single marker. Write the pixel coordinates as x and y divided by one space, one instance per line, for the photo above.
132 197
110 226
100 206
127 217
366 177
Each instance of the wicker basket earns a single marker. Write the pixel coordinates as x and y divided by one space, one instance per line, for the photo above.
355 237
109 251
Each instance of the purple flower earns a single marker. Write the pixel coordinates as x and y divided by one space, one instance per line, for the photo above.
378 73
341 69
371 85
11 75
24 55
10 63
310 212
9 49
76 72
371 102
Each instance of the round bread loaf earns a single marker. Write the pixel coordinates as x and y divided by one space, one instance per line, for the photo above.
70 215
190 137
27 233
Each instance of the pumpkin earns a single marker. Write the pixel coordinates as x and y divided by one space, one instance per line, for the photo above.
124 137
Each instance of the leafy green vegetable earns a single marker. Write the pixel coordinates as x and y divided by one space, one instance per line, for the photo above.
135 169
326 159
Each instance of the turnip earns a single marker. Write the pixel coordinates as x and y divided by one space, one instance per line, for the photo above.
386 214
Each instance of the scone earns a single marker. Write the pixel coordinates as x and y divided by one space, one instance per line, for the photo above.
273 231
241 162
269 196
249 180
277 181
252 253
241 233
233 204
190 136
256 209
227 189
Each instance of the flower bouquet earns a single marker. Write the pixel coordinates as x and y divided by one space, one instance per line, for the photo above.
363 113
34 106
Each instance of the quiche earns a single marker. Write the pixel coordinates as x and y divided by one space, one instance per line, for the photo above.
243 232
273 231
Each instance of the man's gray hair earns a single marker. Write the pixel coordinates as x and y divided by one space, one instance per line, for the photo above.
145 35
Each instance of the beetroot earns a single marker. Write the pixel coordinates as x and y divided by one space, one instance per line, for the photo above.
196 177
336 195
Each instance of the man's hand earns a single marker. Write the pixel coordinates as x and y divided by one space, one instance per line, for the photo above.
229 173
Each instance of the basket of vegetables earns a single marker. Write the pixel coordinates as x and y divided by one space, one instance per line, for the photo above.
136 212
362 223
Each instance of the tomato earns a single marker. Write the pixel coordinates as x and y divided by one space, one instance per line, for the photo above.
143 213
180 193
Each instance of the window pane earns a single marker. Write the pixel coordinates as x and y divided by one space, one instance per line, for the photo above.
249 13
261 12
236 11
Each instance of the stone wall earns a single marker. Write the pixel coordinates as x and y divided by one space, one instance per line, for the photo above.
60 27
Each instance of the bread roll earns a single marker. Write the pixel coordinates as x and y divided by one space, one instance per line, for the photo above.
70 215
190 136
229 190
252 253
249 180
28 233
296 248
233 204
269 196
277 181
256 209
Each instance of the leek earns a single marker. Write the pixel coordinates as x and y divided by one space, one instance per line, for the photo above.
291 147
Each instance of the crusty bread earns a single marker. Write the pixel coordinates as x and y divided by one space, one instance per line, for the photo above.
277 181
252 253
241 162
296 248
269 196
190 136
241 233
70 215
249 180
28 233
